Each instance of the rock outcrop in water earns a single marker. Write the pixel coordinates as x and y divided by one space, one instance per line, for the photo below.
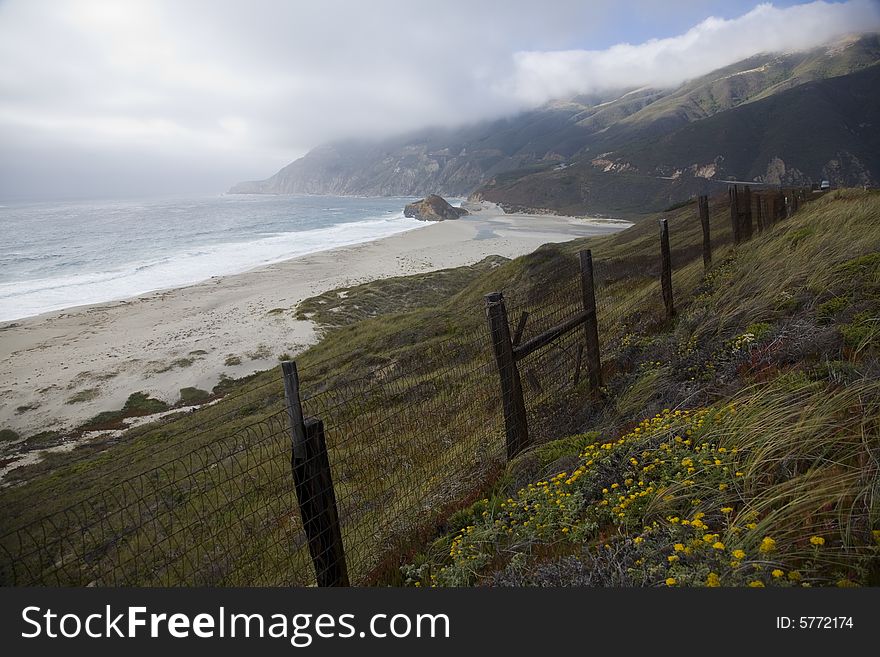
433 208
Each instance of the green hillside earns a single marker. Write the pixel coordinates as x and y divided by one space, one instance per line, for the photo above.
738 446
812 124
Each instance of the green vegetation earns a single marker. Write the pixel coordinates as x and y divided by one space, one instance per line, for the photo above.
751 462
137 404
679 205
83 396
394 295
262 352
765 380
193 396
178 363
8 435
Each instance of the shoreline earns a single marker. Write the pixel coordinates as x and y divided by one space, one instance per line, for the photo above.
62 368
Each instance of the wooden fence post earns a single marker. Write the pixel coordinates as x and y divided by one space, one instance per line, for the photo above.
759 212
515 421
734 213
314 487
591 325
666 269
745 214
703 205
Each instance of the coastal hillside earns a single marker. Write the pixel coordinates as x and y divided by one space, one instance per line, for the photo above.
737 448
821 130
554 156
734 444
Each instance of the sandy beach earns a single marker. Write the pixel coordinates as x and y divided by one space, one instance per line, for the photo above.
62 368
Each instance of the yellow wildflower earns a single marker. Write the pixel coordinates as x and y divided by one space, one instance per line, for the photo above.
713 580
739 554
718 545
777 573
756 584
671 581
817 540
767 545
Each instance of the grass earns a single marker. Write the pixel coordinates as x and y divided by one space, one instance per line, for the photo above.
193 396
137 404
387 296
8 435
766 475
409 397
262 352
86 395
177 363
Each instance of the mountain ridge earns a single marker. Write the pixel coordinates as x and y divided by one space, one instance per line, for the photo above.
592 131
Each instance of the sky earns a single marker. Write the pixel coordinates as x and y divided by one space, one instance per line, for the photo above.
128 98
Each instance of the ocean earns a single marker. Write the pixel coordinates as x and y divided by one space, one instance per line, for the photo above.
62 254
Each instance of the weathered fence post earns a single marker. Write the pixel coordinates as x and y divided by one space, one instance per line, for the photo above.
591 325
734 213
740 213
314 487
703 206
745 214
759 212
666 269
515 421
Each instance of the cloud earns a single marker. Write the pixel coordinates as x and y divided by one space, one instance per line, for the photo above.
712 44
193 96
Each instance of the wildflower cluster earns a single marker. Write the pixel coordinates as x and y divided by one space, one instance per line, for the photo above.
687 347
614 483
663 504
741 342
708 550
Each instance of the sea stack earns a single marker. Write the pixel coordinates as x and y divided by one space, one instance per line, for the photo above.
433 208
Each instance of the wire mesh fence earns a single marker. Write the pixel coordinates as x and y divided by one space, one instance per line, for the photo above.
216 515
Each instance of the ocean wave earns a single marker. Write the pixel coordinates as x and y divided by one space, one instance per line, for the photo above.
188 265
